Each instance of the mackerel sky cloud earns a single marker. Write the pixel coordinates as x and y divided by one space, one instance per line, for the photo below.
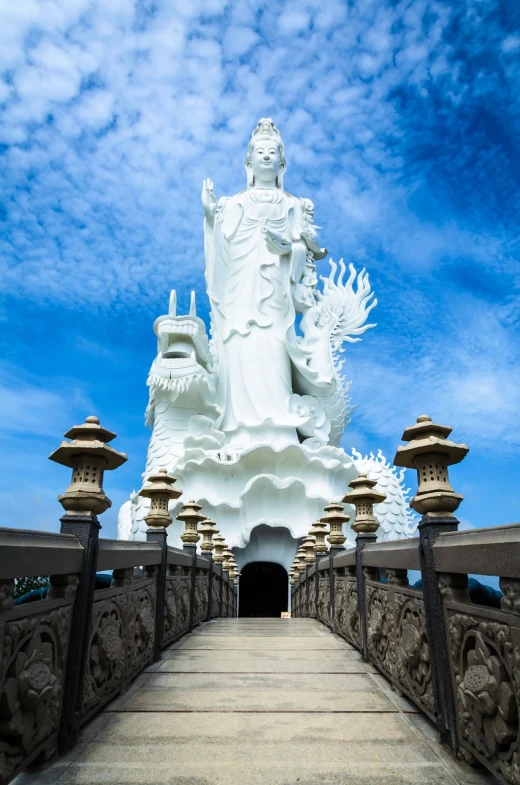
401 122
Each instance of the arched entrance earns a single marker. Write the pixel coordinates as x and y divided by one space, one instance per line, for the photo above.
263 589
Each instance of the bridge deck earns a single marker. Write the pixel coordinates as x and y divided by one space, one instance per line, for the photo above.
259 701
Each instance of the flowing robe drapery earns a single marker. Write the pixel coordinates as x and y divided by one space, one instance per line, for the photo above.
251 293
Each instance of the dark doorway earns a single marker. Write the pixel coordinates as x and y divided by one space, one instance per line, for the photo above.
263 589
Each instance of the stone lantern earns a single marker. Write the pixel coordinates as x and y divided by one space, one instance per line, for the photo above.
300 559
308 547
191 516
233 567
293 575
160 491
363 496
88 455
227 553
207 528
319 530
219 543
430 452
237 578
335 517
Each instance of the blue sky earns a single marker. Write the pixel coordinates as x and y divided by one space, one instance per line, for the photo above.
401 122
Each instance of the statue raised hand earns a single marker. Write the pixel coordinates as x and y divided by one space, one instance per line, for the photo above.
209 200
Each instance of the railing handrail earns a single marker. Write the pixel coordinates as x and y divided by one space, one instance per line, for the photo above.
28 553
398 554
123 554
487 551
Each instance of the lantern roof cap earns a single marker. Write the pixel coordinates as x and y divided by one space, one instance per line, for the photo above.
363 488
89 438
190 511
426 437
160 482
334 513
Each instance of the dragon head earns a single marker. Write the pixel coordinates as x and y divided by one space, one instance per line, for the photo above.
183 355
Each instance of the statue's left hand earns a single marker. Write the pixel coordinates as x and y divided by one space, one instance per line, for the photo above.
276 243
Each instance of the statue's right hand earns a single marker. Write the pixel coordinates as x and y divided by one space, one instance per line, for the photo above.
209 200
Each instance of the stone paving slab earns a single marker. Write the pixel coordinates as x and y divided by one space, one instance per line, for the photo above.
300 682
260 662
263 643
255 700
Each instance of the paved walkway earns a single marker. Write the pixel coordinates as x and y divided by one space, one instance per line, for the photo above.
259 702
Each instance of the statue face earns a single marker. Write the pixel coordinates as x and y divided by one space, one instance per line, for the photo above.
265 161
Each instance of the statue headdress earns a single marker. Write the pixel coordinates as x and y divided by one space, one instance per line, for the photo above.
266 129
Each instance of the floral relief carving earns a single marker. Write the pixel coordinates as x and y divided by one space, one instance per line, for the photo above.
351 612
106 659
324 599
215 598
141 627
487 693
182 597
31 684
413 669
170 612
379 628
510 601
339 605
312 597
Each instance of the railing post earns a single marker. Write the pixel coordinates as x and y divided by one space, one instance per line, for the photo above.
363 496
430 453
362 540
160 492
89 456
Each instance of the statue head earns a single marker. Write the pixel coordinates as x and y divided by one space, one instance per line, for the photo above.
265 154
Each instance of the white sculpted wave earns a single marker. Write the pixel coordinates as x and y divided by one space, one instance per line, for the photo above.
249 422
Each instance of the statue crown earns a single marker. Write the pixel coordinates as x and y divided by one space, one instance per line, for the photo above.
266 129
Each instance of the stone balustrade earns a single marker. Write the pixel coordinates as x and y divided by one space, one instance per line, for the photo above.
66 655
458 660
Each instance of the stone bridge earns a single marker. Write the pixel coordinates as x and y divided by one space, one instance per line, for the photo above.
131 666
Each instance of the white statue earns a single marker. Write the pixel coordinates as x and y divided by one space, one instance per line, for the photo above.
260 252
249 423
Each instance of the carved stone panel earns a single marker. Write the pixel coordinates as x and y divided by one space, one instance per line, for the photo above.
215 597
339 605
485 658
413 670
33 660
106 659
201 598
351 624
324 599
397 640
170 612
380 623
312 597
141 628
